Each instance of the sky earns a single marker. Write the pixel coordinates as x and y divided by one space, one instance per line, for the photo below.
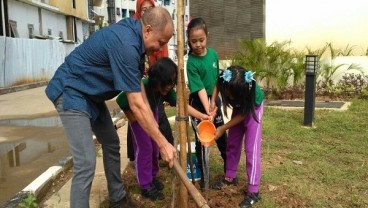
313 23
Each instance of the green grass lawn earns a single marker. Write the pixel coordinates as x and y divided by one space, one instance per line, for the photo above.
334 169
324 166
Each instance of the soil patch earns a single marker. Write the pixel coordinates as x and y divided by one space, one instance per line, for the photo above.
229 196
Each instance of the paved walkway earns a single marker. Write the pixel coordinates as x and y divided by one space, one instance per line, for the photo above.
26 104
61 198
33 103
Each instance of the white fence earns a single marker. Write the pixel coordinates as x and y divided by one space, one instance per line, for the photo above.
30 59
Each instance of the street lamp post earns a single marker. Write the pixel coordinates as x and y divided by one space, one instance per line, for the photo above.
311 65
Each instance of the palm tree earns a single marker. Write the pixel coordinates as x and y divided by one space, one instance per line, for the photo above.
273 64
327 69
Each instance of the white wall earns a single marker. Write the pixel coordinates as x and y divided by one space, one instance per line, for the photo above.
80 34
55 22
124 4
23 14
38 59
313 23
361 61
2 61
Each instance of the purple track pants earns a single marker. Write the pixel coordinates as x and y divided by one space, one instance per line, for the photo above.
251 130
146 155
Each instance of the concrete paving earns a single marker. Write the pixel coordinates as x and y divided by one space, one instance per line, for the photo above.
28 103
99 186
33 103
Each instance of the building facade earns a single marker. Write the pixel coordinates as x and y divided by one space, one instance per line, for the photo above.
67 20
112 11
230 21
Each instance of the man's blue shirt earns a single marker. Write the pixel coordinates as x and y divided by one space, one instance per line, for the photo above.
108 62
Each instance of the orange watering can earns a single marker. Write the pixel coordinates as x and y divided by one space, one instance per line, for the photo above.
206 133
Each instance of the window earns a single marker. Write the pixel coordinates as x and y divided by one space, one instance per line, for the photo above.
73 4
61 35
124 12
49 32
131 13
166 2
118 11
30 30
13 29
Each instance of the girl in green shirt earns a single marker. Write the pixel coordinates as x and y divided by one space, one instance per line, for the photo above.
202 72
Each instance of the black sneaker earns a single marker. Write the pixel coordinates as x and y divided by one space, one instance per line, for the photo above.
153 193
125 202
249 200
158 184
223 182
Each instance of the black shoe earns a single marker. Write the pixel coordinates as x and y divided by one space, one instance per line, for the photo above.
223 182
249 200
153 193
158 184
122 203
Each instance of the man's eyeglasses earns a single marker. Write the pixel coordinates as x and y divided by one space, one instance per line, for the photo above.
143 9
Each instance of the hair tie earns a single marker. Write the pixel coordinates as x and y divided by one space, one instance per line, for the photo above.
248 76
226 75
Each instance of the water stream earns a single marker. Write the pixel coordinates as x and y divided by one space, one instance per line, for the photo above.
206 170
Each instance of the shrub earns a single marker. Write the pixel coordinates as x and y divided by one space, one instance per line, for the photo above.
29 202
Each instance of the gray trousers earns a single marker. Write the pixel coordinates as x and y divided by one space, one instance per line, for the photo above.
78 129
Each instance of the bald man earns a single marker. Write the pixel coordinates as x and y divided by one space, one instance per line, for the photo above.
108 62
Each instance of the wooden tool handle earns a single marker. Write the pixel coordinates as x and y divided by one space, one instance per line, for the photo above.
198 198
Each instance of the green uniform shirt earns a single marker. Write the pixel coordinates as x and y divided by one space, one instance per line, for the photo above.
153 99
202 71
259 95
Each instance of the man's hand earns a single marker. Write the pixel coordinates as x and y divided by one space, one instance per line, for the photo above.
168 153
